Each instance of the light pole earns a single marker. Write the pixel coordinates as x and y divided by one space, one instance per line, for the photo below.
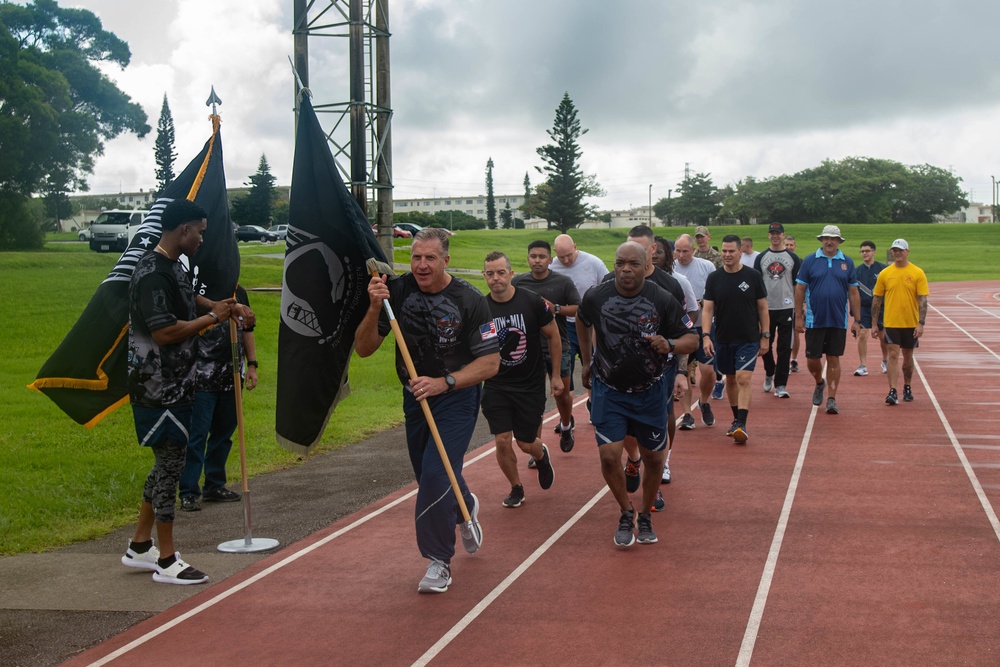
650 204
993 209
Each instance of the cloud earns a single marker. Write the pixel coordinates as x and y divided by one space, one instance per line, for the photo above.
734 88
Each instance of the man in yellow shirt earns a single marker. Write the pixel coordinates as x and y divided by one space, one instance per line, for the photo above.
902 287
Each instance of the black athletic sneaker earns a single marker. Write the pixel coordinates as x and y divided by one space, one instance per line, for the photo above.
907 394
740 434
732 428
707 418
220 495
546 474
624 537
632 475
687 423
658 503
566 441
646 534
515 498
892 398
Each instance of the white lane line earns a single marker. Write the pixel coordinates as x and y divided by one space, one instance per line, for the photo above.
139 641
474 613
971 337
757 611
970 473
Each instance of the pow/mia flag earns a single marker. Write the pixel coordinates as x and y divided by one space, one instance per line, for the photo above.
324 293
87 375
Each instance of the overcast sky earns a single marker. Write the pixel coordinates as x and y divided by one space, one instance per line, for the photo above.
734 88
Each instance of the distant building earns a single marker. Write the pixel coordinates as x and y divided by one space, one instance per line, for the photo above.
974 212
470 205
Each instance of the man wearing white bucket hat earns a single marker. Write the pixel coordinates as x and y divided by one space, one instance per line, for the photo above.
826 297
902 287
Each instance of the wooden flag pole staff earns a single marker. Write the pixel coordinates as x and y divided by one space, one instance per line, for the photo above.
249 543
412 370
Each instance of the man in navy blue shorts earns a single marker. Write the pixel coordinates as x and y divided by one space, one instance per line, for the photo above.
449 333
736 297
628 329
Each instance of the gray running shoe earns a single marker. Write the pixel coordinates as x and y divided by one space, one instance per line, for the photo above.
780 392
687 423
624 537
437 579
740 434
546 475
472 537
768 383
665 477
515 498
862 371
646 534
885 367
532 463
793 366
831 406
818 393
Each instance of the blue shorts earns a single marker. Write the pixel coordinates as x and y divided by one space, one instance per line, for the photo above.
155 427
733 357
866 318
643 414
699 354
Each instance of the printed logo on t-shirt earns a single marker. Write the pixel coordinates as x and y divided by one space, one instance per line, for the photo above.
488 330
743 286
776 270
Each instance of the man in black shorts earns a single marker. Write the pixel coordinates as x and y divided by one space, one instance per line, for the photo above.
628 329
514 399
449 332
163 329
563 299
736 297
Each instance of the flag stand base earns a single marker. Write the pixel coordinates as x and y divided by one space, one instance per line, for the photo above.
248 545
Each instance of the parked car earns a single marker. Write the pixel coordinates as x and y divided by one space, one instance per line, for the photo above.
397 232
280 231
84 234
413 229
112 230
254 233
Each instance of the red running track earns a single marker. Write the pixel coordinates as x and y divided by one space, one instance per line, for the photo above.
868 537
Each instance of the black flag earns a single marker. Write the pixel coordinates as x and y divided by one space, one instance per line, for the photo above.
324 293
87 376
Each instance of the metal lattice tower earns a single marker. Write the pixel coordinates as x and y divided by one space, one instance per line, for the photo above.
359 129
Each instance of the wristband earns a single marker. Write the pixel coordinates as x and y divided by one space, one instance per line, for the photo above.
213 316
921 322
252 363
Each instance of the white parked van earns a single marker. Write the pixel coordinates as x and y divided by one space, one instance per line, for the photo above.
112 230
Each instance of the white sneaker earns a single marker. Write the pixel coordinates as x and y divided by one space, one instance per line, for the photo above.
472 536
437 579
862 370
768 383
885 368
146 561
665 479
780 392
179 573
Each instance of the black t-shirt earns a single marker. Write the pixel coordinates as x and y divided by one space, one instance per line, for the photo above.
557 288
215 353
623 358
160 294
519 323
735 297
443 331
661 278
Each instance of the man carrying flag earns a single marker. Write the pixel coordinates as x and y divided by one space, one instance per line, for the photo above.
163 330
449 330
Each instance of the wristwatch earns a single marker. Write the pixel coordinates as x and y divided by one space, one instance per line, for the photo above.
556 309
765 334
670 342
450 381
252 363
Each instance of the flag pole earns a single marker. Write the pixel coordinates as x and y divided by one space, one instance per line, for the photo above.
249 543
472 525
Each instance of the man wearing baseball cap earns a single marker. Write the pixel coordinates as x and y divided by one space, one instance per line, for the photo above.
826 294
705 251
779 267
902 287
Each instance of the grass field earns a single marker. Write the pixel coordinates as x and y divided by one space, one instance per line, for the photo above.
61 483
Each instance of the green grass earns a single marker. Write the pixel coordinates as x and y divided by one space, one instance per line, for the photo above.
61 483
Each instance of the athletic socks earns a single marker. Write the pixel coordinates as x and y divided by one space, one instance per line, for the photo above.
741 416
141 547
566 427
735 412
164 563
